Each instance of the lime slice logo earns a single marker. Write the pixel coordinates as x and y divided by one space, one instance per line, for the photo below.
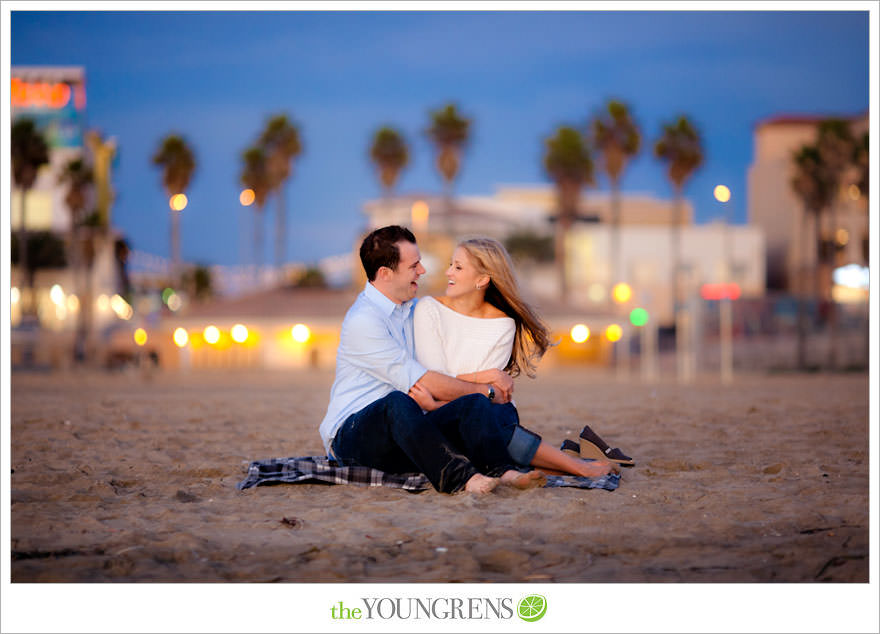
532 608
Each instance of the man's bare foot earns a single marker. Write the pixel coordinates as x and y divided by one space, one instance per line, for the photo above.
599 468
479 483
520 480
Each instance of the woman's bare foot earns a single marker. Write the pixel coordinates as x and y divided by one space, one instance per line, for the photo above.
479 483
598 468
520 480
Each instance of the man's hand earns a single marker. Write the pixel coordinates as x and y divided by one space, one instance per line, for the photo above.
445 388
423 397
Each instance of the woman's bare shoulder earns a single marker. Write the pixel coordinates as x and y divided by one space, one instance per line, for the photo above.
492 312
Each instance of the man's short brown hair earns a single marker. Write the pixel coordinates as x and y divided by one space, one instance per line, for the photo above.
379 249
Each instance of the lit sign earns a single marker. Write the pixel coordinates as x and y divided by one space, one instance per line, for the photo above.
46 95
720 291
852 276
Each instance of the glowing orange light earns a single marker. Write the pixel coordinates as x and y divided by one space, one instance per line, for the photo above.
211 334
247 197
420 213
580 333
300 333
181 337
239 333
613 333
622 292
178 202
38 94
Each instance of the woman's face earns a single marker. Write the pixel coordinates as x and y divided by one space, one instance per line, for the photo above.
463 276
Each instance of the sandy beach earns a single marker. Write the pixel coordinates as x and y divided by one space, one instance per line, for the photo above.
128 478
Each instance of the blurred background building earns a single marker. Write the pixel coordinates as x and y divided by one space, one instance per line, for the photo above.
74 254
89 293
774 207
523 217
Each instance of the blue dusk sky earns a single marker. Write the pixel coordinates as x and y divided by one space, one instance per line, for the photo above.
215 77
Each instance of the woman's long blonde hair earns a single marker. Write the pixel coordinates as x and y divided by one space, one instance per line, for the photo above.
532 338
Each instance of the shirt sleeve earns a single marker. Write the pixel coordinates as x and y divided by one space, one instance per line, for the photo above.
429 337
371 348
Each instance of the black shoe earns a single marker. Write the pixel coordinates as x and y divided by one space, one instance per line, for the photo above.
592 446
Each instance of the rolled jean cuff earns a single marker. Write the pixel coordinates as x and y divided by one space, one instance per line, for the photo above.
523 445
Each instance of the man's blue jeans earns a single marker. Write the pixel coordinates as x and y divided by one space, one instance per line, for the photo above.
448 445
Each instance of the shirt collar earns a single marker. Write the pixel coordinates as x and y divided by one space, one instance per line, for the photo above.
384 304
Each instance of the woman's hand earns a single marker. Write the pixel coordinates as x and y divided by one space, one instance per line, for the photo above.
424 398
503 384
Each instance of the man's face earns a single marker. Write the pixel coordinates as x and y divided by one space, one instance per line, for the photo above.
401 285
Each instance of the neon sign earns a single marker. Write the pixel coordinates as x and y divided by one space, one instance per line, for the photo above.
720 291
52 96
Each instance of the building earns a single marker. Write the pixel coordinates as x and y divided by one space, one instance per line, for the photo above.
55 99
775 208
645 245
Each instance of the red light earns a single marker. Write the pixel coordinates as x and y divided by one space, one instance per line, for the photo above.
40 94
720 291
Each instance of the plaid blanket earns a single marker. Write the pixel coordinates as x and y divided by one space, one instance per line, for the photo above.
311 469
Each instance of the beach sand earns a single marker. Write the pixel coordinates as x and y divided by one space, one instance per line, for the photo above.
131 478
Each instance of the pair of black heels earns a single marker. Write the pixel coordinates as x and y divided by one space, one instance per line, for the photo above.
593 447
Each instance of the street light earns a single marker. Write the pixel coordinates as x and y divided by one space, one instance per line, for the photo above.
178 202
722 195
580 333
420 212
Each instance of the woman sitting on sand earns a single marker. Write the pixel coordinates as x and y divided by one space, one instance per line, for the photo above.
482 326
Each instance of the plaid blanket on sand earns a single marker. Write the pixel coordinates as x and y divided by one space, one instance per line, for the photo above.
311 469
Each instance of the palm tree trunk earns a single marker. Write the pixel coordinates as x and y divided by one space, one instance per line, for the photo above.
258 244
280 230
803 293
89 301
27 303
614 255
817 271
563 224
681 318
832 306
675 247
450 206
175 247
79 288
615 234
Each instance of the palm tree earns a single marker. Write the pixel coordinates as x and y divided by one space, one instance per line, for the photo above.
79 178
178 164
617 139
811 185
449 134
568 162
281 142
390 154
680 148
29 153
836 146
860 160
255 176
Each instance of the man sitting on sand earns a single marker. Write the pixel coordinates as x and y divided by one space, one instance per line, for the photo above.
371 421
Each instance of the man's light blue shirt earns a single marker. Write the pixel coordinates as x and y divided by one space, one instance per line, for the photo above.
376 356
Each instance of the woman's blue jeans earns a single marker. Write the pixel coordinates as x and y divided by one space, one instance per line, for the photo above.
449 445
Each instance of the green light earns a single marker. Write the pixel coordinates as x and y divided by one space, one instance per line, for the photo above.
168 292
638 317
